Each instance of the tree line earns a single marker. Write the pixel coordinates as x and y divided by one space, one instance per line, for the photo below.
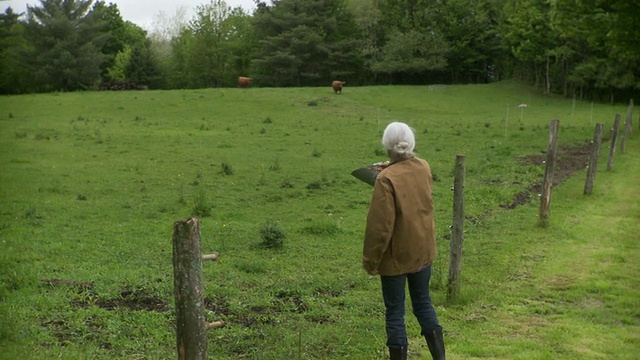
582 48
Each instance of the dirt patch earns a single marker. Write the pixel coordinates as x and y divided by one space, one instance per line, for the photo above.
128 300
568 161
133 300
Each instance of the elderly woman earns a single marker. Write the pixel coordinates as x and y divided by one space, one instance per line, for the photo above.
400 242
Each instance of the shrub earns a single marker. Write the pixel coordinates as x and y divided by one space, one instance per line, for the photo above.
272 235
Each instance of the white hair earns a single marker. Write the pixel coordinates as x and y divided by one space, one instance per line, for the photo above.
399 139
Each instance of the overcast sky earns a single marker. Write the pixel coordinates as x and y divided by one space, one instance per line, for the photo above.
140 12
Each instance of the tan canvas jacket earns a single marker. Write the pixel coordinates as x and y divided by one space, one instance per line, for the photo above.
400 230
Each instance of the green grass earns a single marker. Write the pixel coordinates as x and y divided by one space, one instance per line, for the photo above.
91 184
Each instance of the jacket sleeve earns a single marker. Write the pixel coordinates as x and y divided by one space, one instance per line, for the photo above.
380 223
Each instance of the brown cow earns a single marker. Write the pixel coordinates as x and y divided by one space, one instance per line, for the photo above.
337 86
244 82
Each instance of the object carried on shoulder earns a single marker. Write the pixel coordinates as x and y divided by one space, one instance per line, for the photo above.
369 174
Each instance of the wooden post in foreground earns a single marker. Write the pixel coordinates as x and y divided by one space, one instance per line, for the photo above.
626 131
545 197
593 161
457 230
614 141
191 329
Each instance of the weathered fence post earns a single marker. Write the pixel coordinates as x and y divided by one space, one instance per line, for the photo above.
457 229
593 161
545 197
614 140
191 329
627 126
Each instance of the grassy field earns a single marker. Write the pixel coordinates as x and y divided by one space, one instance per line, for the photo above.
92 183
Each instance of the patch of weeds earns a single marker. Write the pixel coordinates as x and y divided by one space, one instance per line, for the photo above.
286 184
226 169
21 135
252 267
323 228
316 153
57 187
181 196
263 131
504 151
98 136
290 300
201 205
314 185
272 235
41 137
276 165
81 197
263 180
380 152
312 103
487 124
33 216
10 115
267 120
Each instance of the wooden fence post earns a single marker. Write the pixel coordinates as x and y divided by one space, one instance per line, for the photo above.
614 140
627 126
457 229
545 197
191 326
593 161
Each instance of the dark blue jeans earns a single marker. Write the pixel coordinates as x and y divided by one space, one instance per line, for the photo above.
393 293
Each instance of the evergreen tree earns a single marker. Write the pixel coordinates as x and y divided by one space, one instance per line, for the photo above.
304 42
414 45
67 40
13 73
142 68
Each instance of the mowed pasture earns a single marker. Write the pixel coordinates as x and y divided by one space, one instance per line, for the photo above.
92 183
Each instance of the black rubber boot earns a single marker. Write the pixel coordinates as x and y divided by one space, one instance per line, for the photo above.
398 353
435 341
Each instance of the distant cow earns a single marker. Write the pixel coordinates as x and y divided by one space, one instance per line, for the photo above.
337 86
244 82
